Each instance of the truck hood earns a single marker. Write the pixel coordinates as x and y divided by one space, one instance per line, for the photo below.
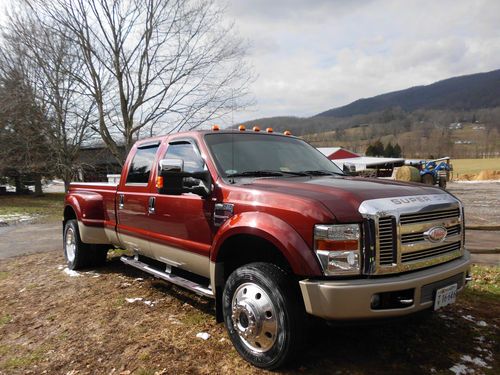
342 196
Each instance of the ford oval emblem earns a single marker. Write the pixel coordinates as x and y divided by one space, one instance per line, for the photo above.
436 234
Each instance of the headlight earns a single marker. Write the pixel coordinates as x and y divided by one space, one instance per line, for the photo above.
338 248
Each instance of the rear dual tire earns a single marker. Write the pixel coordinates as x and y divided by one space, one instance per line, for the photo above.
80 255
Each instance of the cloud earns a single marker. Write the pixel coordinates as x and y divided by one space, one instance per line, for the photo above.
311 56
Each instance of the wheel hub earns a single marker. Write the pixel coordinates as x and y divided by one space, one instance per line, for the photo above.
70 245
253 316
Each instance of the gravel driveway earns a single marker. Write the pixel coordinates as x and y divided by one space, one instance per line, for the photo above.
22 239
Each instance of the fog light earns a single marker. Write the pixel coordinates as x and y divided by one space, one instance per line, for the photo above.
375 301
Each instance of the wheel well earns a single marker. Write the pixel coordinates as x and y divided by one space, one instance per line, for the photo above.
239 250
242 249
69 214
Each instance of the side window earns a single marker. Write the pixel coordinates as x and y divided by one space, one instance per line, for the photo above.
140 168
193 162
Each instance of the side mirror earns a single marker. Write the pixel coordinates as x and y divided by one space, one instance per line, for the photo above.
171 165
176 181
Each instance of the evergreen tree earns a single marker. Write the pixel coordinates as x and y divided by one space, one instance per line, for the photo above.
397 151
389 150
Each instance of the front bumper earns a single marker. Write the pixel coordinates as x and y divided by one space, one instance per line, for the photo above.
351 299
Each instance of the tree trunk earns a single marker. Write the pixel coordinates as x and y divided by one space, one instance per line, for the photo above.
38 185
66 184
19 185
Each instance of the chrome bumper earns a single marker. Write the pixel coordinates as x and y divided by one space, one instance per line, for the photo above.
351 299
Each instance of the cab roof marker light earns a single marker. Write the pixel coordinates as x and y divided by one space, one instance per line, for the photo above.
256 129
215 128
287 132
241 128
269 130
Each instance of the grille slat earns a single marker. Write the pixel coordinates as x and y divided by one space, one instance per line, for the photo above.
386 240
422 254
429 216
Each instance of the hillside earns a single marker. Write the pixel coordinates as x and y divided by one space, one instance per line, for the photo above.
469 92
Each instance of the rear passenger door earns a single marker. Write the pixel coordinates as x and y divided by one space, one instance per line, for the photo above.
133 199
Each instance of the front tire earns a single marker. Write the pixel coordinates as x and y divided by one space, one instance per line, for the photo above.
78 254
263 314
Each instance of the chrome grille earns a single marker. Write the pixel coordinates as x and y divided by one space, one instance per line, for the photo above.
400 244
386 227
432 252
429 216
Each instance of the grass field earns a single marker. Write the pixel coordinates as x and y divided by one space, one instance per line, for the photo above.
53 323
474 166
48 207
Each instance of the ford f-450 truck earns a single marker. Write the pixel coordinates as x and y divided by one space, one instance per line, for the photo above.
274 232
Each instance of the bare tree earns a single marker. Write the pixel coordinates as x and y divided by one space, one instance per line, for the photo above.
49 62
153 65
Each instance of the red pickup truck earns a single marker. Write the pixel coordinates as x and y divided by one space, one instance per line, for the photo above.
273 231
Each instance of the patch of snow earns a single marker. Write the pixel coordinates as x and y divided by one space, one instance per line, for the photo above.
71 273
149 303
477 361
132 300
480 339
459 369
60 267
22 290
138 279
470 318
203 335
482 323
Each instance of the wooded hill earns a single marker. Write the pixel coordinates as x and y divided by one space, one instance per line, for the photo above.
418 119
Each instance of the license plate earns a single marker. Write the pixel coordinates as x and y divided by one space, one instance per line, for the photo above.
445 296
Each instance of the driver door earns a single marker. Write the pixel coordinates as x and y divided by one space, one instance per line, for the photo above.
180 227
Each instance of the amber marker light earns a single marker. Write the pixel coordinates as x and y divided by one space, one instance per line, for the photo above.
241 128
215 128
159 182
269 130
287 132
256 129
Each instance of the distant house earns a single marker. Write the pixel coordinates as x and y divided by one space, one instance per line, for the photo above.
333 153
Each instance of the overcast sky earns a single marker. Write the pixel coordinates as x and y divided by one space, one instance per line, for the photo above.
313 55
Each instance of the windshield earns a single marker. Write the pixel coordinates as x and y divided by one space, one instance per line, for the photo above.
261 155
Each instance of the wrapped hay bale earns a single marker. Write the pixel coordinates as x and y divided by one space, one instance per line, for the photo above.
408 173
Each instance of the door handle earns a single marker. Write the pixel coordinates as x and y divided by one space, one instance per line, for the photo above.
120 201
151 205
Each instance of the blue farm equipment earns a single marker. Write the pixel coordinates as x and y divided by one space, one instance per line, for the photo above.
437 171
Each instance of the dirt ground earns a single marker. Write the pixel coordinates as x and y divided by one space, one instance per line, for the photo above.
56 322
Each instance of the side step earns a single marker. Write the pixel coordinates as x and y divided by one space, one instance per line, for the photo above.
174 279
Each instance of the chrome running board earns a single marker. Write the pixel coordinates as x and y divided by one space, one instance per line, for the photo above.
174 279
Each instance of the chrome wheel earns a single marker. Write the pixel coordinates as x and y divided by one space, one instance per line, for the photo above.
254 317
70 244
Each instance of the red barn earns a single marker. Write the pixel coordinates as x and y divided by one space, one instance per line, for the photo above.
337 153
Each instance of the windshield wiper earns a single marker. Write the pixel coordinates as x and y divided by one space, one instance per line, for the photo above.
321 173
263 173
